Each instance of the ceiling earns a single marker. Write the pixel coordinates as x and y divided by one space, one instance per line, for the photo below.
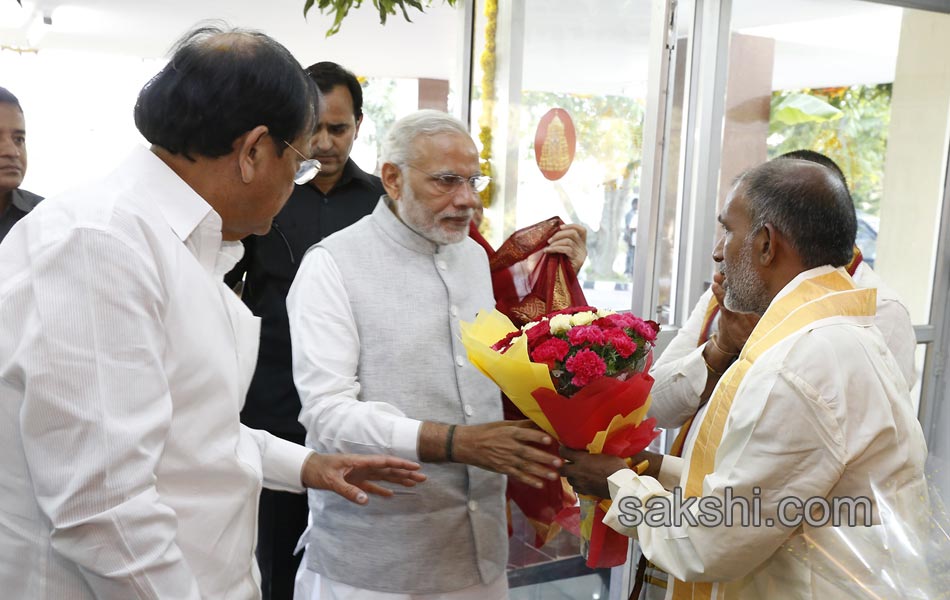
147 28
597 46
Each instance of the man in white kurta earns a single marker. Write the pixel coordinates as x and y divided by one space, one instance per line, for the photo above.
375 312
815 407
680 372
124 359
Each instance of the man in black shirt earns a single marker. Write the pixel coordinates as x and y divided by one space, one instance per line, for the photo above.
337 197
14 202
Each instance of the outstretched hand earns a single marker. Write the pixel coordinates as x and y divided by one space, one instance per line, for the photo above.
352 475
571 241
508 447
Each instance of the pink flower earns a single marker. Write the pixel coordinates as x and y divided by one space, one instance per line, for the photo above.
621 343
586 366
550 351
585 334
646 329
616 320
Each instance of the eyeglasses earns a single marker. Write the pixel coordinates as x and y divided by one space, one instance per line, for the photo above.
308 168
450 182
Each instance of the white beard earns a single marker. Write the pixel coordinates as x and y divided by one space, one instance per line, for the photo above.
420 219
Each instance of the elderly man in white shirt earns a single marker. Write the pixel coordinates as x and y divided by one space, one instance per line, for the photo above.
124 359
380 367
814 409
690 366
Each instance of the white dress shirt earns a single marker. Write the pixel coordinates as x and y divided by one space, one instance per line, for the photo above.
325 359
823 413
374 314
680 372
124 361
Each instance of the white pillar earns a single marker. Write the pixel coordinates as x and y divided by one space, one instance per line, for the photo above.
914 169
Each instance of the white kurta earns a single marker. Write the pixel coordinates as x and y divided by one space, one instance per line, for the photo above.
680 372
823 413
124 362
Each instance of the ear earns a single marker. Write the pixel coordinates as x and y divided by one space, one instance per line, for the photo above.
356 133
391 176
765 244
250 152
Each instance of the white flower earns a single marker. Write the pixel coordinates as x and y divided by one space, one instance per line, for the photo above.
582 318
560 323
603 312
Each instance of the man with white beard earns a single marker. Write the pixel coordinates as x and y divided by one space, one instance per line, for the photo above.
379 365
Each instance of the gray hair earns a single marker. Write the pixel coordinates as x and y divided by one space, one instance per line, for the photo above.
808 203
399 144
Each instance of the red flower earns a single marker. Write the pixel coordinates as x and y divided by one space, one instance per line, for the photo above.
554 349
571 310
621 343
586 366
538 332
502 344
586 333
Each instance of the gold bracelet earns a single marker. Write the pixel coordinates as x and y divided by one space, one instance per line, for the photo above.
713 339
709 367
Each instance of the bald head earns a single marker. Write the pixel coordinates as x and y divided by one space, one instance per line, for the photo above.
808 203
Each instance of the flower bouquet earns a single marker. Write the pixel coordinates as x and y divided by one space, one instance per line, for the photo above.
580 374
528 284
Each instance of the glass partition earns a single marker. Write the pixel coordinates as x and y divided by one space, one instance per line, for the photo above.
559 102
569 139
860 83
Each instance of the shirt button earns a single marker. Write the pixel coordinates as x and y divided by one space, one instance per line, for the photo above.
454 310
472 505
441 264
459 360
469 411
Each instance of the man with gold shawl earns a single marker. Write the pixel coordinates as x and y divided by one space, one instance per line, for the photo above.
815 406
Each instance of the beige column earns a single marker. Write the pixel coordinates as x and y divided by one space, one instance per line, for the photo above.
915 165
748 105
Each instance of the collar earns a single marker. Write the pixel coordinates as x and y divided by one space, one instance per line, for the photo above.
385 216
351 172
24 200
188 215
809 274
180 205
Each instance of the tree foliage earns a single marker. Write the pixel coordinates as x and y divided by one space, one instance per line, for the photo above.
857 141
385 8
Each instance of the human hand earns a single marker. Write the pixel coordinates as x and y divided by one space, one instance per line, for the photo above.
587 473
506 447
734 327
571 241
351 475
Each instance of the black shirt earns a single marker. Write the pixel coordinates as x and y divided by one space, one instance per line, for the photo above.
269 265
21 203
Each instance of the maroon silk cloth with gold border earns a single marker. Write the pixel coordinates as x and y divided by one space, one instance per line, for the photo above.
529 284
